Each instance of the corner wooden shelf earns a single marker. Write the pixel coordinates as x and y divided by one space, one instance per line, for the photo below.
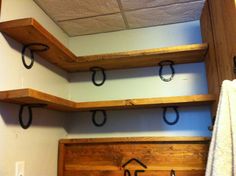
30 96
28 31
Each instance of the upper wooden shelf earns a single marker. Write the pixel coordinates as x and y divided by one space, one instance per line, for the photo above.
30 96
28 31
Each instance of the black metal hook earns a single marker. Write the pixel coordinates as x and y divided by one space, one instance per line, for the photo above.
172 173
94 72
44 48
30 118
210 128
29 122
176 112
234 60
94 118
162 64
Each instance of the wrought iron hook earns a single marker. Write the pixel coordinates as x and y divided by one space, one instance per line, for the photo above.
94 118
30 117
94 72
44 48
162 64
176 112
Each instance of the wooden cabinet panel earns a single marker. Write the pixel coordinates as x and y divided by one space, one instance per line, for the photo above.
99 157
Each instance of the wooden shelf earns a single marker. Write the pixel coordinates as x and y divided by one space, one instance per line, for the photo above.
180 139
28 31
142 58
30 96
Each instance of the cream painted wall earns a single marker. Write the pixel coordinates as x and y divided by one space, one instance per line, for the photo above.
37 146
140 83
144 38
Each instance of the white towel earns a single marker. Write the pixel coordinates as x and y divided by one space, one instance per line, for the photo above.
222 152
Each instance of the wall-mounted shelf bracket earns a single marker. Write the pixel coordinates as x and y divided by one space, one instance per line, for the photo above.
94 71
30 114
102 123
33 47
176 112
166 63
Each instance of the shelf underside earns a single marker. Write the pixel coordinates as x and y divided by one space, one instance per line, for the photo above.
28 31
30 96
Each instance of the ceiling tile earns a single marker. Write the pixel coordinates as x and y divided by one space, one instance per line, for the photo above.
93 25
140 4
61 10
175 13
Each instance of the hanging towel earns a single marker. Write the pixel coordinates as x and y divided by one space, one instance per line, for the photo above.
222 152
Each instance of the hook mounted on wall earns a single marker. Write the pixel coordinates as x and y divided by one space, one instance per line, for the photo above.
94 113
176 112
32 51
30 114
166 63
94 71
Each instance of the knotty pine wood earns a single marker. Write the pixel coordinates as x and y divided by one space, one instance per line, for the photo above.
97 157
211 65
29 30
29 96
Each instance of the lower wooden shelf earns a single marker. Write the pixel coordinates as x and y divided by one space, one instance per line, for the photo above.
31 96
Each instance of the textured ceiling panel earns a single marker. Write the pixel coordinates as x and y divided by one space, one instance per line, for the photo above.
141 4
164 15
93 25
82 17
71 9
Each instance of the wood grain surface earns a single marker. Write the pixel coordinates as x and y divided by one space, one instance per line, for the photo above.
31 96
29 30
97 157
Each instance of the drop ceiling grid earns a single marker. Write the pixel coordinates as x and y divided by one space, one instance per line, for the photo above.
82 17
